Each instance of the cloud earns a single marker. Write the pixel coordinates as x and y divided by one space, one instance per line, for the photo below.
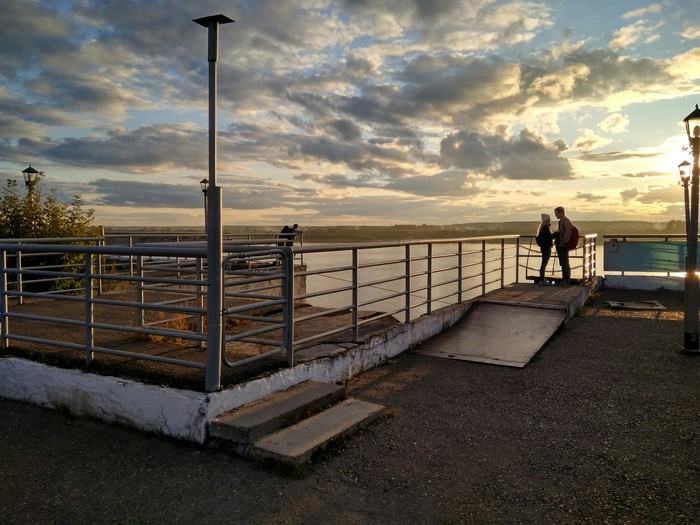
631 34
629 195
421 101
691 32
588 141
615 123
590 197
643 11
615 156
669 194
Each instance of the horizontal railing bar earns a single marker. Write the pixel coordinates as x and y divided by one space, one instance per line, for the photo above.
257 331
252 306
362 322
191 336
392 279
375 264
50 342
46 319
151 306
242 295
254 358
330 291
265 319
325 313
147 357
381 299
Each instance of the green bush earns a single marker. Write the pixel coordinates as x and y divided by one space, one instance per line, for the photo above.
34 217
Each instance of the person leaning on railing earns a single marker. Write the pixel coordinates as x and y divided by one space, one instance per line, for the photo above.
290 234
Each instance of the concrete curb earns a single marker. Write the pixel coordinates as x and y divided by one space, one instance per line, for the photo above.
185 414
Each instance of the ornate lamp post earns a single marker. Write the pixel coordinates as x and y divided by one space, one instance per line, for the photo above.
692 289
30 177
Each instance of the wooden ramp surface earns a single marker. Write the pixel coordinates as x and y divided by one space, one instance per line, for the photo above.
499 334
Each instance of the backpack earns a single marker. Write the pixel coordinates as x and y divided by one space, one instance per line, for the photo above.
573 242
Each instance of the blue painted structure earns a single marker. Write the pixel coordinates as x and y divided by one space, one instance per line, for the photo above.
633 256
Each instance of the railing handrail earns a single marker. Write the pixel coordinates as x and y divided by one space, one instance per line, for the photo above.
168 278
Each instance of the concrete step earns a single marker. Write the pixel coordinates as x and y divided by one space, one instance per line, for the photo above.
241 427
294 445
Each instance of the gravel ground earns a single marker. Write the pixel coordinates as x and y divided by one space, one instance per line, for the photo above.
601 427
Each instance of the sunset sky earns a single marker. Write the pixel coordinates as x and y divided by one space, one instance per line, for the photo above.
360 112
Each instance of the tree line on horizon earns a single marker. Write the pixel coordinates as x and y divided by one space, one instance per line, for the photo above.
359 233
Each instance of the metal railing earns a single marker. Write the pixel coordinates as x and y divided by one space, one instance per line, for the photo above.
149 301
583 259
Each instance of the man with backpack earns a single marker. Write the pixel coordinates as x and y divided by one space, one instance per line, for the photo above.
565 238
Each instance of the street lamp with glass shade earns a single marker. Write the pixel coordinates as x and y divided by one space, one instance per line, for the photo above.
204 184
691 341
30 177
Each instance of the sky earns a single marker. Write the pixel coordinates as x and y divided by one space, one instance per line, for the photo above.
353 112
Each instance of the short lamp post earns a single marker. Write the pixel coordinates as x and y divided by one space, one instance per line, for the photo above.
692 288
204 184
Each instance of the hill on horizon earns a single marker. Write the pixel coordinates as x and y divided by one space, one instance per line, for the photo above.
428 231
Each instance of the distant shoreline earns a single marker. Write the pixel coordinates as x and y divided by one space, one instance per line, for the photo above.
425 231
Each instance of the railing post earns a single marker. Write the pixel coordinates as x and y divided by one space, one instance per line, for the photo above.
355 295
100 267
503 263
483 267
20 299
430 279
4 341
517 259
460 257
199 275
131 257
594 256
289 292
89 310
407 318
140 294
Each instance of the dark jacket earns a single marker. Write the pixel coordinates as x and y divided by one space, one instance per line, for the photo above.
544 237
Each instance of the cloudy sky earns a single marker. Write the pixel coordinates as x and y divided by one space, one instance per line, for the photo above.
353 111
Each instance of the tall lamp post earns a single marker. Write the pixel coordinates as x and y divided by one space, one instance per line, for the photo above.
204 184
692 289
212 380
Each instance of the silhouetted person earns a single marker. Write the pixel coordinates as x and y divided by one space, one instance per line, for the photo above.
289 234
544 240
563 237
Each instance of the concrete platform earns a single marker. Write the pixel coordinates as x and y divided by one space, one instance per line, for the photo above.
186 414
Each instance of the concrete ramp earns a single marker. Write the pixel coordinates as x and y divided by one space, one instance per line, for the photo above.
499 334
